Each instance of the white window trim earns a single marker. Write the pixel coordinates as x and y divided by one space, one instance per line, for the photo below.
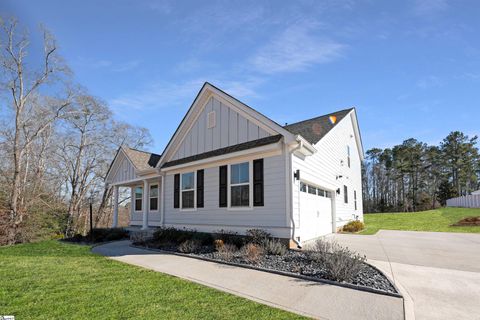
150 197
194 191
135 198
250 188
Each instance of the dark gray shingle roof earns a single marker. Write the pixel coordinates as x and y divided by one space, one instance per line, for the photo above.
218 152
313 130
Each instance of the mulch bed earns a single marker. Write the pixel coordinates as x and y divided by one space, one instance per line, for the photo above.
469 221
296 263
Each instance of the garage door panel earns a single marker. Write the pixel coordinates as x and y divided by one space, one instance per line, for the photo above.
316 212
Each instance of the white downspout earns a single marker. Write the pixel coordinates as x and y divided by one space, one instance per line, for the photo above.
162 203
298 147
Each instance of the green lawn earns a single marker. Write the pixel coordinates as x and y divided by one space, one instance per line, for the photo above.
432 220
53 280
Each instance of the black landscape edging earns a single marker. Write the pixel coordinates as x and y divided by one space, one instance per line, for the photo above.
283 273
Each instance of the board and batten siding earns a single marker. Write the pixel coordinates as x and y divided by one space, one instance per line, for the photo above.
122 170
272 216
322 168
230 129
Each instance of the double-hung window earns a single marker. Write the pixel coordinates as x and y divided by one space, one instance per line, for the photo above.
138 198
153 197
240 185
188 190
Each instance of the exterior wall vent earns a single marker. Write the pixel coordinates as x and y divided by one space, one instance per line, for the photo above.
211 120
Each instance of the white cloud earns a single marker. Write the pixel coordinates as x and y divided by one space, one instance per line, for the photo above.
429 7
296 49
173 95
430 82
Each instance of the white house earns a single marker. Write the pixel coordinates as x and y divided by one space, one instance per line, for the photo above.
229 167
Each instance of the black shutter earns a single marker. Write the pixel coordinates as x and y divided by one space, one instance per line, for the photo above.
200 188
222 201
258 183
176 191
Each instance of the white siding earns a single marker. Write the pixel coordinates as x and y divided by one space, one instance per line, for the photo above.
154 217
272 216
323 167
122 170
230 129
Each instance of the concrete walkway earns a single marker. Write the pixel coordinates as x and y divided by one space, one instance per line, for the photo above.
321 301
439 271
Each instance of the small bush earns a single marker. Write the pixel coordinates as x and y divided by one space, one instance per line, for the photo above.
353 226
190 246
107 234
172 235
252 252
226 252
230 237
339 262
275 247
206 239
257 236
218 243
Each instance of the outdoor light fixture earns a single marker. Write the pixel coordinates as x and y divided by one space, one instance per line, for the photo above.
339 177
296 175
338 191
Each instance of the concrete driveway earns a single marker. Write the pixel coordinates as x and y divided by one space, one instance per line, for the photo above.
439 271
313 299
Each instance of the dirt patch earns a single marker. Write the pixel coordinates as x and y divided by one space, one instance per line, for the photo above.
469 221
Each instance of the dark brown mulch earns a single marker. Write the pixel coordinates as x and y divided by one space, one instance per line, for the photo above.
469 221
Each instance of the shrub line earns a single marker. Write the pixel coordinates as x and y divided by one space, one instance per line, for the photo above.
283 273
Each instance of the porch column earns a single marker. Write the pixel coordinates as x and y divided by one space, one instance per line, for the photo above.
145 205
115 207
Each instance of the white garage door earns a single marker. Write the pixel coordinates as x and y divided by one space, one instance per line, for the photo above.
316 211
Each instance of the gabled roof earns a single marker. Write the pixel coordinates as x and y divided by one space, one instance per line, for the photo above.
313 130
207 89
218 152
141 160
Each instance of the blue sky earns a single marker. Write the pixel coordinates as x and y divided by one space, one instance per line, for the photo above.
411 68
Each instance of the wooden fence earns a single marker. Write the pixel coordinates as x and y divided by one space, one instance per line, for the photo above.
472 201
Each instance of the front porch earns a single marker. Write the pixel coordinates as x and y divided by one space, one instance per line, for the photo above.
145 202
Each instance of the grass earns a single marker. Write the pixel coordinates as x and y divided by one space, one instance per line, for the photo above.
54 280
432 220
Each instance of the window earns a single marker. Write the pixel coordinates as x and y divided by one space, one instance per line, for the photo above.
321 192
312 190
240 185
345 194
355 198
138 198
348 156
328 194
188 190
154 197
303 187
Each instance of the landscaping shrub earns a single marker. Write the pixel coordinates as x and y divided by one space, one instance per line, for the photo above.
106 234
252 252
339 262
275 247
206 239
190 246
353 226
218 243
177 236
230 237
226 252
257 236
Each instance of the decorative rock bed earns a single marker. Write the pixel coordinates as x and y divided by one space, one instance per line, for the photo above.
295 263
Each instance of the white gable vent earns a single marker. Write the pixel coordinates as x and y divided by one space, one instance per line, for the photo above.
211 120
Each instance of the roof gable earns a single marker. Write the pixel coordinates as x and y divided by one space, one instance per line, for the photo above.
248 123
141 160
129 163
